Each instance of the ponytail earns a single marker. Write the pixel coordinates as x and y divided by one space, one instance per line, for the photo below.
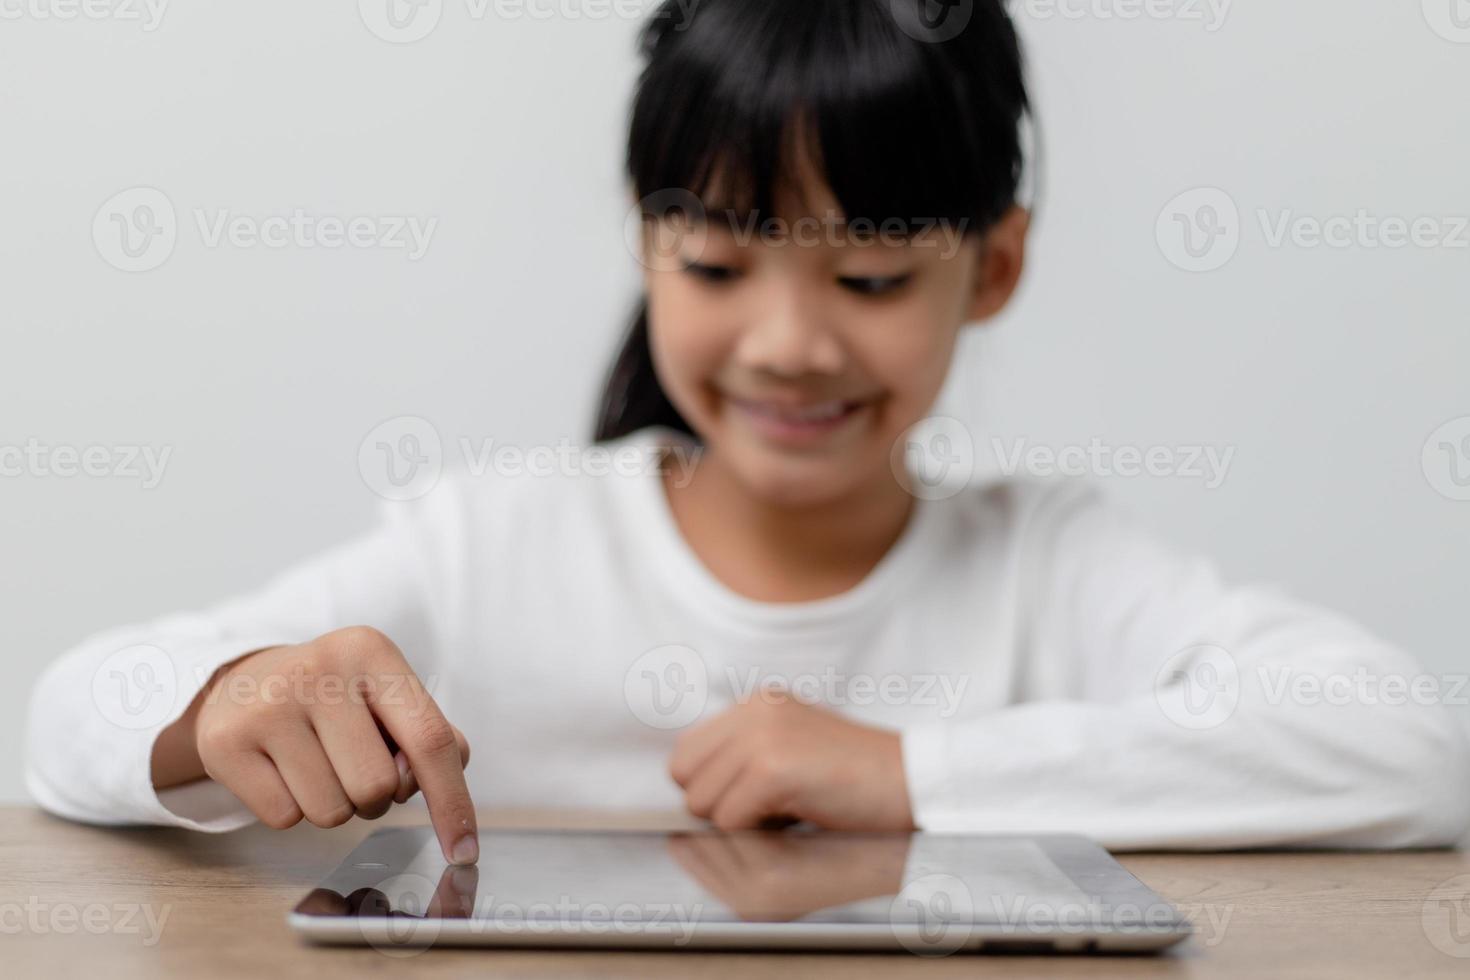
632 398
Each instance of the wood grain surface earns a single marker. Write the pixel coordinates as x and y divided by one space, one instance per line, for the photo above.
79 901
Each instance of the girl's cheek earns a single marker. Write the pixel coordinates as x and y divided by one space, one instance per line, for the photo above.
910 354
686 345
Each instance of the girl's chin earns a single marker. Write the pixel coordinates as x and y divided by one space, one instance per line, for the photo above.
784 480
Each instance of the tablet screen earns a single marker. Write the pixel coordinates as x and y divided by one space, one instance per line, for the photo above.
675 881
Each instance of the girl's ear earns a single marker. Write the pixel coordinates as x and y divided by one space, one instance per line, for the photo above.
1002 259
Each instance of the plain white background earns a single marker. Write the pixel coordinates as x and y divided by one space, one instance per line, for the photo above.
262 369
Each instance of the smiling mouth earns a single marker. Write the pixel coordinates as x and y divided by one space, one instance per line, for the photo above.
798 422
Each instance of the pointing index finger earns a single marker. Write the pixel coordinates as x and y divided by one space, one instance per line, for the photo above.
427 739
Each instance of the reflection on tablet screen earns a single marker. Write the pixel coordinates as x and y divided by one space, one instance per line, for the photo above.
709 877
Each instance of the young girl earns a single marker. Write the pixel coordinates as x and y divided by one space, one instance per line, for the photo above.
771 620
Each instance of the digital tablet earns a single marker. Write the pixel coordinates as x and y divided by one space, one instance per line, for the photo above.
931 894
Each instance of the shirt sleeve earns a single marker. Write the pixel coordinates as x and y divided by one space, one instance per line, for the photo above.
1159 708
97 710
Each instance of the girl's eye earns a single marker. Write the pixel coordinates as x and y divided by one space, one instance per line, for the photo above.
711 273
873 285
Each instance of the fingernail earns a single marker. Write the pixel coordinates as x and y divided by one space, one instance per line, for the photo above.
465 880
466 850
402 793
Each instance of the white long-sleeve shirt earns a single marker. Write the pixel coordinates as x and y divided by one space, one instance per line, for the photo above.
1051 667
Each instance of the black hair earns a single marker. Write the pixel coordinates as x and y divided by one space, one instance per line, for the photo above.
911 116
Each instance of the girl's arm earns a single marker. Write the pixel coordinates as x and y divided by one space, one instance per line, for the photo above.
96 715
1162 709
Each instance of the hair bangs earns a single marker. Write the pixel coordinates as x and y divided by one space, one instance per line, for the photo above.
749 100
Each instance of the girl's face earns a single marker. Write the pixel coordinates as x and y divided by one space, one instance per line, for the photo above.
801 351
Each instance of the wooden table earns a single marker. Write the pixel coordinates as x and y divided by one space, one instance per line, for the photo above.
146 903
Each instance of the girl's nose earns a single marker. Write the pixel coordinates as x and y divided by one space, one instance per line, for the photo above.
788 335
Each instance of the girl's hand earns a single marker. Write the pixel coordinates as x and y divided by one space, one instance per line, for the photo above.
775 758
325 730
